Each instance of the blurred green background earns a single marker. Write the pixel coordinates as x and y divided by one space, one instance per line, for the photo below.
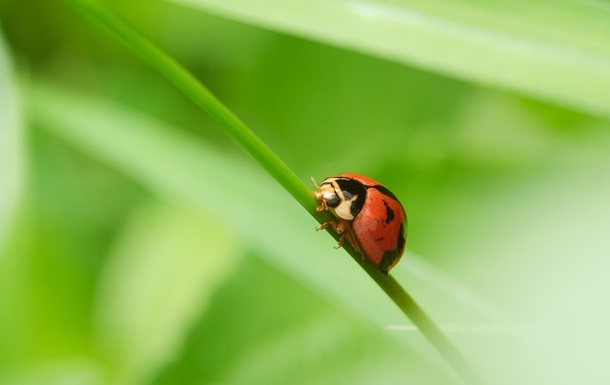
140 245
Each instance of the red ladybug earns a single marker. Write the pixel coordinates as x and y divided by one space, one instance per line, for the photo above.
368 215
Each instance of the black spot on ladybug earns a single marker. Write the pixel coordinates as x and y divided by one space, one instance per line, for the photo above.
379 239
389 212
386 192
401 241
387 260
390 257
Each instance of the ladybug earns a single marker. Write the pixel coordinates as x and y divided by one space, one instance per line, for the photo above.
368 215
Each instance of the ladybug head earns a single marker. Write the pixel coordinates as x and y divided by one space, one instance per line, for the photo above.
327 194
344 195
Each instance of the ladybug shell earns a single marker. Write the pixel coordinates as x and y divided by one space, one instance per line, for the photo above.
379 227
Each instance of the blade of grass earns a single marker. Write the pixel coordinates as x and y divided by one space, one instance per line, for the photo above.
202 97
555 51
11 168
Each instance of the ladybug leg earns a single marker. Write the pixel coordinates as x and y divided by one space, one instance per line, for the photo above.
325 225
322 207
340 243
352 239
340 226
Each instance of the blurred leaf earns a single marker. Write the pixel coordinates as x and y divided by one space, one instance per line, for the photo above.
160 274
61 372
50 266
262 327
11 147
13 292
551 50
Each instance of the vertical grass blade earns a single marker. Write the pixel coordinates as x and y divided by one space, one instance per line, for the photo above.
11 167
555 51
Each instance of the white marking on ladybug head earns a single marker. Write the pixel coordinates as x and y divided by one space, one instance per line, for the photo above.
344 210
330 194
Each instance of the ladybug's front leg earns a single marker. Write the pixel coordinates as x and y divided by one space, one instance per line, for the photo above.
352 240
323 206
339 226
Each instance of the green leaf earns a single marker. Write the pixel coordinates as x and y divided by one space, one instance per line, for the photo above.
69 371
160 274
555 51
11 163
240 339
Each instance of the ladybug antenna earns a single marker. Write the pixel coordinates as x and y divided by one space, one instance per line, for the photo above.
314 182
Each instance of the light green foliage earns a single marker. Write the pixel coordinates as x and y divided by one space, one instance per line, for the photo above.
149 249
553 50
11 136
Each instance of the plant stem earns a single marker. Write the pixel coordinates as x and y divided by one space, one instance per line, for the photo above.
253 145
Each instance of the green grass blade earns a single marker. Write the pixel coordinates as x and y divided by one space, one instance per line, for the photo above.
11 167
187 83
555 51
